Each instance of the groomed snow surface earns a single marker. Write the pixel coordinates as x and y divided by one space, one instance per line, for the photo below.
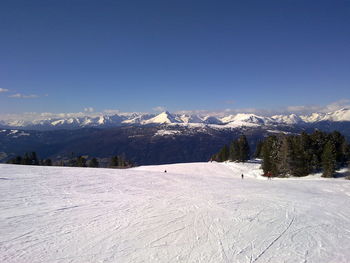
199 212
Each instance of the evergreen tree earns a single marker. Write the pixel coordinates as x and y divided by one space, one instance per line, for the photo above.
47 162
299 163
329 159
234 151
300 155
73 162
114 161
34 159
285 156
81 161
243 148
305 145
93 162
258 149
318 141
266 156
15 160
340 145
26 160
347 153
269 155
224 154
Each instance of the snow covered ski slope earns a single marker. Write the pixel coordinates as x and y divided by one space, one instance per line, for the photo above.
200 212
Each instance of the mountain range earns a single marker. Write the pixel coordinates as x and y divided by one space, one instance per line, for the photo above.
154 138
230 121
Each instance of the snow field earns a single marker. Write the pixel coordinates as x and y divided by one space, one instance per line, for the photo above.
199 212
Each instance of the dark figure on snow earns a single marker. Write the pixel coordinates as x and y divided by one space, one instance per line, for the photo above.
164 171
242 176
269 175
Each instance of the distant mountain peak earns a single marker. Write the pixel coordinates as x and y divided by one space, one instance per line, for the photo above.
165 117
162 118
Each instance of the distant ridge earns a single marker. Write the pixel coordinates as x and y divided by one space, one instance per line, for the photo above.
229 121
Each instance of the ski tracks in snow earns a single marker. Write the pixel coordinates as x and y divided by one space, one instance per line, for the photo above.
193 213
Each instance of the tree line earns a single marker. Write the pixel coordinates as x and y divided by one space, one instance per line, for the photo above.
31 158
238 150
300 155
297 155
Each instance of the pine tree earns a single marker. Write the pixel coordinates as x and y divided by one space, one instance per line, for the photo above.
305 145
269 155
47 162
285 157
258 149
266 157
114 161
243 148
15 160
224 154
93 162
329 159
81 161
299 164
234 151
34 159
340 145
26 160
318 141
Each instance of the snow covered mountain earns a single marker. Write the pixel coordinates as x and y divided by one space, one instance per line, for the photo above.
339 115
230 121
287 119
163 118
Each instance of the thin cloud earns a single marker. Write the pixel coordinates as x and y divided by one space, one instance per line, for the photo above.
23 96
298 110
89 112
3 90
89 109
159 109
111 111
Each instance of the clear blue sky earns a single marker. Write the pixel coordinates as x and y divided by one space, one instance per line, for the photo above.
181 54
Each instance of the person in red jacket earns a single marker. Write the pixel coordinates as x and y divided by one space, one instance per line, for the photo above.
269 175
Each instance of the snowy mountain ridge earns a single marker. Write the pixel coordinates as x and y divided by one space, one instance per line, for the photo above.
236 120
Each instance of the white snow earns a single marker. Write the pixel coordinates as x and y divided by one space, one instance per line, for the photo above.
58 122
21 133
339 115
137 118
278 132
13 132
199 212
185 118
164 117
166 132
243 119
101 120
287 119
229 121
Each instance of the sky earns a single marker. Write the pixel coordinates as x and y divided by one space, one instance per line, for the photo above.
178 55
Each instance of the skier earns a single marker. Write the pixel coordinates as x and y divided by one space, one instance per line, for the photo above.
269 175
164 171
242 176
